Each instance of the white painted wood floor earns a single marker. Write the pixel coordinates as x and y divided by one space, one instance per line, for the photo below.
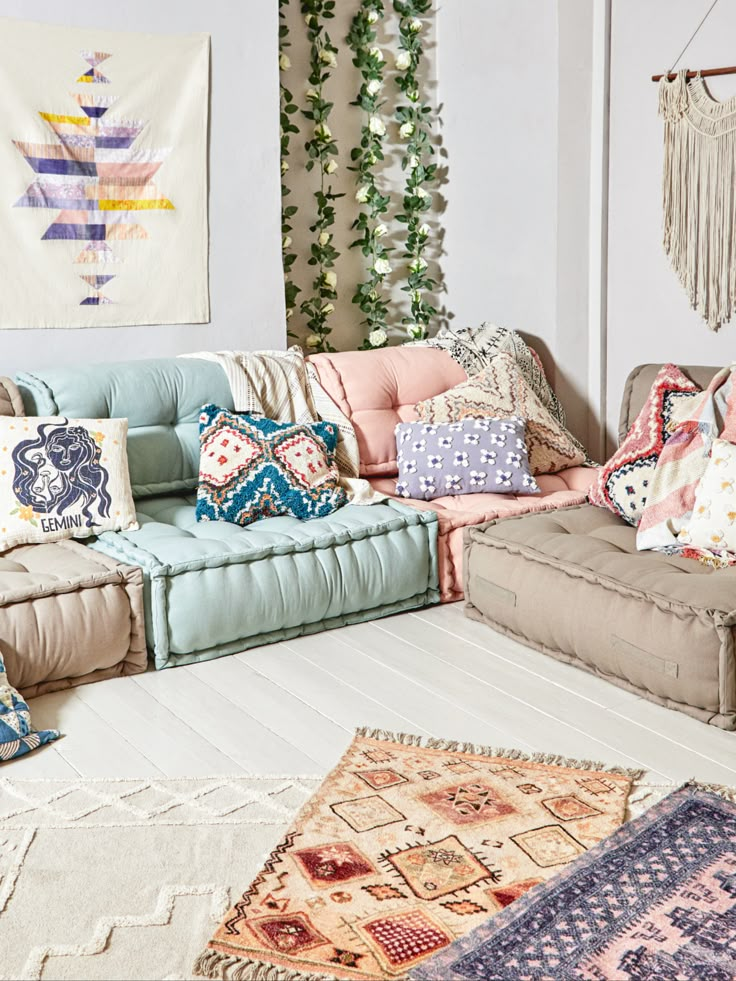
291 708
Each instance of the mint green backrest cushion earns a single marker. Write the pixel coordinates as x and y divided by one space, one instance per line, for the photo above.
161 399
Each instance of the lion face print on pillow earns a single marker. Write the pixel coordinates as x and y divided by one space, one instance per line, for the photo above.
63 478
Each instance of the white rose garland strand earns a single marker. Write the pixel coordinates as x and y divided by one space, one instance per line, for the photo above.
321 150
287 110
414 122
368 59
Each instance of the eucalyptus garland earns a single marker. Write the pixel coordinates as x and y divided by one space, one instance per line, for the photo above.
414 120
321 152
287 110
368 59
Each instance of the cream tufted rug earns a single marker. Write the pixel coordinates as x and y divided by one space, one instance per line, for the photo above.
126 879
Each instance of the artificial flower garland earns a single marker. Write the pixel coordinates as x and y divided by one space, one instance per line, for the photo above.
287 110
321 150
368 59
414 122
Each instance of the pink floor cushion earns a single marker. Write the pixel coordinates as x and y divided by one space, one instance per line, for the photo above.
456 513
378 389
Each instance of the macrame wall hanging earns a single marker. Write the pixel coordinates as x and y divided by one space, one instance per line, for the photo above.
699 188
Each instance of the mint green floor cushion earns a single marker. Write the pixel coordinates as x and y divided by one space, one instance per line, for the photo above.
215 588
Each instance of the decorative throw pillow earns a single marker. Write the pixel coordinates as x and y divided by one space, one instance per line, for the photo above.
472 456
713 522
253 468
63 478
501 390
17 735
623 482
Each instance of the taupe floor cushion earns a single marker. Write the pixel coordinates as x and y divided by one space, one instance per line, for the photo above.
571 583
68 615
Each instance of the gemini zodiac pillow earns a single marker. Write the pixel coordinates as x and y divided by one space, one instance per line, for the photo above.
253 468
63 478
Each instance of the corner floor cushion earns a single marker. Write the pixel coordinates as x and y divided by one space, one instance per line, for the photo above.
215 588
455 514
571 583
68 616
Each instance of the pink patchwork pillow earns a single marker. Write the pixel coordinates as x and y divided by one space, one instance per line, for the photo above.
623 483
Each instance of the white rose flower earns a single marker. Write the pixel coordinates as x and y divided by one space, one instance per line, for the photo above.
284 166
285 242
406 130
328 308
380 230
330 279
312 95
377 126
416 331
413 95
314 340
403 61
284 62
419 265
289 312
330 167
310 20
416 296
361 195
324 238
375 53
415 25
373 87
424 229
413 162
323 132
372 16
382 267
328 58
421 193
377 337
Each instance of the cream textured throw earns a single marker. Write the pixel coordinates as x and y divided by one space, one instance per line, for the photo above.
699 194
282 386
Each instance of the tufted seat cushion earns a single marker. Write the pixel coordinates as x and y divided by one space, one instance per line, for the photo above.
160 398
377 389
454 514
68 616
215 588
572 584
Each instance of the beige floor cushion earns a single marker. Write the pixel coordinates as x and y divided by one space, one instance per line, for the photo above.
571 583
68 615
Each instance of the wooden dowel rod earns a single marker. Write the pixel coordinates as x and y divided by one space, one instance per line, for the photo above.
705 72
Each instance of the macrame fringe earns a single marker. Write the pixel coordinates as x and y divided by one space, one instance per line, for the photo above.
454 746
213 964
699 196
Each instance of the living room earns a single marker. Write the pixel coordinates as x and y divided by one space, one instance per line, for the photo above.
367 561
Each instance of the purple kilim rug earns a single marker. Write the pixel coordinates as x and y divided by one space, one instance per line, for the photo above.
657 899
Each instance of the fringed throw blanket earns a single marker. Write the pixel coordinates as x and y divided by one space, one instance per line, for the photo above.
699 194
282 386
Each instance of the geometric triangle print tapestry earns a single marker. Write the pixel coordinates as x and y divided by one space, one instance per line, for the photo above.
409 844
103 159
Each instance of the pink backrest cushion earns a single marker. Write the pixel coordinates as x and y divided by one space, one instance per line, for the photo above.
377 389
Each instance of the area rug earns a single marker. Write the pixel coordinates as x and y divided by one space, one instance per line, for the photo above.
656 900
407 845
126 879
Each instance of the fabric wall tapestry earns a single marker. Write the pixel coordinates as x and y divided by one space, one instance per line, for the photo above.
103 177
698 194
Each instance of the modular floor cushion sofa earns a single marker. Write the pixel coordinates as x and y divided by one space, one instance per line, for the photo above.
214 588
572 584
378 389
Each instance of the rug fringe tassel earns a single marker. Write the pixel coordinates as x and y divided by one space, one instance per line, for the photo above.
456 746
720 789
225 967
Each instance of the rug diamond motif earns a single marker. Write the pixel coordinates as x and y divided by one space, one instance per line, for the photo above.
439 868
469 803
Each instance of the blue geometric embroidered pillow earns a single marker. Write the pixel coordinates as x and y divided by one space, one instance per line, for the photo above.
17 735
253 468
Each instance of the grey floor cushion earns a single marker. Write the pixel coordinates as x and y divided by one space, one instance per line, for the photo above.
571 583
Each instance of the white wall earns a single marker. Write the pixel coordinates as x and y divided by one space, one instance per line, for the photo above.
246 286
649 319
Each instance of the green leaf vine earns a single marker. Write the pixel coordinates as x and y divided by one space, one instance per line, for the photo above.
368 59
414 121
287 109
321 150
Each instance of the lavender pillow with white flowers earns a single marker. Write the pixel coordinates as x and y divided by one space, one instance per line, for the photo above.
473 456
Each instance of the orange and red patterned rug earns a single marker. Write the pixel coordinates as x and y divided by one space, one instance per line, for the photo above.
408 845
